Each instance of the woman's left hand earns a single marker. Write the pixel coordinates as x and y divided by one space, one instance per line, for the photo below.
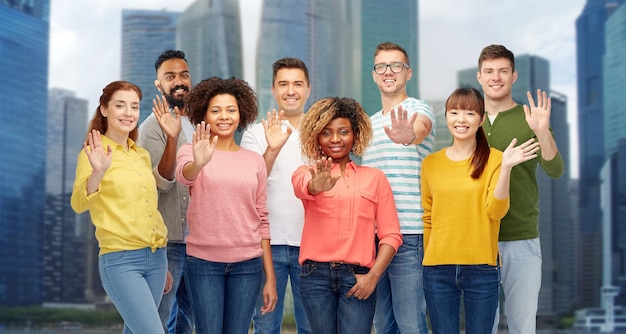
364 287
270 297
169 280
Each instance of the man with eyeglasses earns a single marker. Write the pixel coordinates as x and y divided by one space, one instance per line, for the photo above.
403 135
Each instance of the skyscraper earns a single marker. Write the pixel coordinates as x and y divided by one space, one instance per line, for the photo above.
590 49
555 228
64 276
145 35
380 21
209 32
24 36
614 72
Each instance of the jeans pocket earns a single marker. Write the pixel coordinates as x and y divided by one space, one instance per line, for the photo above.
113 256
486 267
307 269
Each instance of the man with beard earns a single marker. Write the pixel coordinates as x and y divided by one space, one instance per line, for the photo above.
174 82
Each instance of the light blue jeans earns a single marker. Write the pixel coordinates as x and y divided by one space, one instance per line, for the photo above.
400 303
134 280
324 287
223 295
175 307
521 281
478 285
286 267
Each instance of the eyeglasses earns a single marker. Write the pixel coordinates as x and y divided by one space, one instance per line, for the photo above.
396 67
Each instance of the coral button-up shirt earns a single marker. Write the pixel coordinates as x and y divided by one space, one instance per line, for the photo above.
341 224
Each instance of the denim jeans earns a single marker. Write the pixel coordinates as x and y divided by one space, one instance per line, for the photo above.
478 285
175 307
286 267
324 287
223 295
134 280
521 281
400 304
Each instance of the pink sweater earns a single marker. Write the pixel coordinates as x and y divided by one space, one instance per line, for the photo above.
227 214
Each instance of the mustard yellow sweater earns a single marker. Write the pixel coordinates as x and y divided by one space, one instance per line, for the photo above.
461 215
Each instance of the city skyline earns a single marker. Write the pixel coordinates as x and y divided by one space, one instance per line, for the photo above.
91 44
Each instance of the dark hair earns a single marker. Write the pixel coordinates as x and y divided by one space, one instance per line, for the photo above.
389 46
99 121
322 112
471 99
197 101
494 51
289 63
167 55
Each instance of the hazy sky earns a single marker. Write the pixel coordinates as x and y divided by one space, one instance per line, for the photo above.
85 42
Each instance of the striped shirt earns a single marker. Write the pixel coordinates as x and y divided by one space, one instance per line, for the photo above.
402 164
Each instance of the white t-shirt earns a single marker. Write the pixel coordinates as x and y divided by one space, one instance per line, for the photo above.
286 212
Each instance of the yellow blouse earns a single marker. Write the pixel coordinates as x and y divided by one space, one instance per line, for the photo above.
124 208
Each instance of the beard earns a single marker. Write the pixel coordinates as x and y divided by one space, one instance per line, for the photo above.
176 101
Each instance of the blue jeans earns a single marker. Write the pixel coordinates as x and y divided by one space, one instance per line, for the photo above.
400 305
175 307
521 281
324 287
223 295
134 280
444 286
286 267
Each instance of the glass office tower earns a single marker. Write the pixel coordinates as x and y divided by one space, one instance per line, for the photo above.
24 38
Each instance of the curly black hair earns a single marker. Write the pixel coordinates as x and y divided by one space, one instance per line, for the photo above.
197 101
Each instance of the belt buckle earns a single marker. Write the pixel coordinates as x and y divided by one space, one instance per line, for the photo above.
334 264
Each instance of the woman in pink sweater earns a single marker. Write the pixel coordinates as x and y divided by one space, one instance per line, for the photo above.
465 193
346 207
228 246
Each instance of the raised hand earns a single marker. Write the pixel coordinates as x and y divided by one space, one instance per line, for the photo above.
401 131
538 116
274 134
321 179
171 124
514 155
203 145
99 158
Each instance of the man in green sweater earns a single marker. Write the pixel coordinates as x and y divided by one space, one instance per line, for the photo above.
520 249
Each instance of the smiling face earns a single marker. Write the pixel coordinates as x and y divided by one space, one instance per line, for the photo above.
390 83
222 115
336 140
174 81
496 77
463 124
122 113
291 91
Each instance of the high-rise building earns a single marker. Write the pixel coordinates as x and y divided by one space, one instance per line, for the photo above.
380 21
145 35
555 228
24 38
590 50
614 99
64 276
209 32
614 80
320 33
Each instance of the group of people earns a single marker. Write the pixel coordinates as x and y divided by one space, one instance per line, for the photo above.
200 232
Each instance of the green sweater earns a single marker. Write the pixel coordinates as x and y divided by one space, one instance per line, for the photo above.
522 220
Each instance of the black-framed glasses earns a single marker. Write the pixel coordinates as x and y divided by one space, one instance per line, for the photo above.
396 67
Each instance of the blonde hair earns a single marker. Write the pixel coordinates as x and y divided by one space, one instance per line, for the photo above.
322 112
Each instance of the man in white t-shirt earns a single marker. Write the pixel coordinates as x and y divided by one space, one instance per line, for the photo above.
277 140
